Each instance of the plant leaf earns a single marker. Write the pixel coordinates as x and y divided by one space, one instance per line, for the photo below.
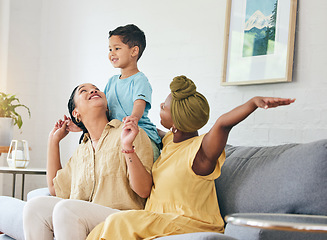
8 108
19 121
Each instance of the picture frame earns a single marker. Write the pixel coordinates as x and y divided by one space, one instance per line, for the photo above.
259 41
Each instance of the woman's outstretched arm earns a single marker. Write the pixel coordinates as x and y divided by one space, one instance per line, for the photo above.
53 163
215 140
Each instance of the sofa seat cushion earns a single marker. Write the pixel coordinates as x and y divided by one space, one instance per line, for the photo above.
290 178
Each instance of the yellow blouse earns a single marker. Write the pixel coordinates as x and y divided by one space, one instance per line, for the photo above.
100 176
180 201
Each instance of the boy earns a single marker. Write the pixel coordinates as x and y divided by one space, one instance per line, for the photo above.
129 94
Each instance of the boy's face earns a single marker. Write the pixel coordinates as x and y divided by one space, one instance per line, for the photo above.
120 54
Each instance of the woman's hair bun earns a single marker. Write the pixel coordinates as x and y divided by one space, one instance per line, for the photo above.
189 108
182 87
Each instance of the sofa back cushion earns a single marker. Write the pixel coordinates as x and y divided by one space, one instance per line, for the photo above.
290 178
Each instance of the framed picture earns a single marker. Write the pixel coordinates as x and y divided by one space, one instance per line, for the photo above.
259 41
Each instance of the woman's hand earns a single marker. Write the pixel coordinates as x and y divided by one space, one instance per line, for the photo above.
59 131
129 132
71 126
271 102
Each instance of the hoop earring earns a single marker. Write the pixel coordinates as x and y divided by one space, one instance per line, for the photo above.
77 119
174 130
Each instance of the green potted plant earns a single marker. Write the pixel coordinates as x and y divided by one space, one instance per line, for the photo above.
9 117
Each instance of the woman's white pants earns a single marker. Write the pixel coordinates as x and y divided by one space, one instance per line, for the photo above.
46 217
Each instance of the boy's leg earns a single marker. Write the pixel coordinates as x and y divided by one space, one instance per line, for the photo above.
38 218
75 219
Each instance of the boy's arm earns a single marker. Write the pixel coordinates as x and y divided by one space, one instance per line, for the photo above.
138 108
215 140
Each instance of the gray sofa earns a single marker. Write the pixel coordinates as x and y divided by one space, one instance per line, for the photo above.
290 178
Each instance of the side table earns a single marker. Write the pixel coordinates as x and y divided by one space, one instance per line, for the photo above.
22 171
283 222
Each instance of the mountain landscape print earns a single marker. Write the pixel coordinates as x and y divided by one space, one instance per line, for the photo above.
260 27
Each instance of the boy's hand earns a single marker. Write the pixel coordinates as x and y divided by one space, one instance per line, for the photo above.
129 133
134 118
271 102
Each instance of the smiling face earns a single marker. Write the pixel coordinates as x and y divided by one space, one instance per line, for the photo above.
120 54
88 96
165 113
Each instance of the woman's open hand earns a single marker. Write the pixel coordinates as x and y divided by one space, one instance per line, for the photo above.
271 102
129 132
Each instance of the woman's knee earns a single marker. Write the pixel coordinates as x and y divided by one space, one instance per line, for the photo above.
121 217
32 207
62 209
39 207
67 210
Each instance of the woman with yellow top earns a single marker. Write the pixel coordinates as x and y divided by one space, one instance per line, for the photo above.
104 173
183 196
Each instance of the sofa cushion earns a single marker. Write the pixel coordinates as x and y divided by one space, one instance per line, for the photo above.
290 178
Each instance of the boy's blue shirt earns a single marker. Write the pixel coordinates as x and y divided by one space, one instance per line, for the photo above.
121 94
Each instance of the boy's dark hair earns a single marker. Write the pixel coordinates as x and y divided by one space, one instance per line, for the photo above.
132 36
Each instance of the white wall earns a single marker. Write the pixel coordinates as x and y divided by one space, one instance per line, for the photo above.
55 45
4 32
4 36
